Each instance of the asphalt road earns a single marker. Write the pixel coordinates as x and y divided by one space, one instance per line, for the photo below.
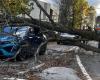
92 65
11 69
92 62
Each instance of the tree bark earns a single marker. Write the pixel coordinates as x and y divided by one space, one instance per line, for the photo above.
88 47
66 13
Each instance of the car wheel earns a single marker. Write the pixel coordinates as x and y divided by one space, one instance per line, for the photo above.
99 45
24 53
43 49
58 42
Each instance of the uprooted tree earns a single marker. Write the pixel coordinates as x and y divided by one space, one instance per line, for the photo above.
88 35
85 34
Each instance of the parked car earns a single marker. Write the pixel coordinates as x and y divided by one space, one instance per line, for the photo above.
97 29
21 42
66 38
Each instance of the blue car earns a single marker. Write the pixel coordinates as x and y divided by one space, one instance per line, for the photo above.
21 42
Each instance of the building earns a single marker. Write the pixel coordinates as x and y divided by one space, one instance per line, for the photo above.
37 13
55 12
52 10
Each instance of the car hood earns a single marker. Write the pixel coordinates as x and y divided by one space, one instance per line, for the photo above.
4 38
67 35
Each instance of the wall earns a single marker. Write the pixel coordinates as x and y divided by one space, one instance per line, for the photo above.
36 12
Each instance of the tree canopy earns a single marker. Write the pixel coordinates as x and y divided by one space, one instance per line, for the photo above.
14 7
72 12
80 9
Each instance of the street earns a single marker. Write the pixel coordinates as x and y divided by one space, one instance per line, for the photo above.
59 56
89 59
92 65
49 39
56 56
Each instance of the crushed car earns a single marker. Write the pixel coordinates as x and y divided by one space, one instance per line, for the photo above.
21 42
66 38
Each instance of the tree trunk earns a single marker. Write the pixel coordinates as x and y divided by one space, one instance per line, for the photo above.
66 13
38 4
87 47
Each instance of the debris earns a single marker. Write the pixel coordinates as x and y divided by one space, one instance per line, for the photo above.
33 68
89 53
13 79
59 73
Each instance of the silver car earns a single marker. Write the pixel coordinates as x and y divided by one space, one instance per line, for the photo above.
66 38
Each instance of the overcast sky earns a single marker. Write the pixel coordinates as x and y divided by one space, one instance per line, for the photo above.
51 1
96 4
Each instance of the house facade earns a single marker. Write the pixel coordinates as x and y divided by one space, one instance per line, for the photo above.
52 10
38 14
55 13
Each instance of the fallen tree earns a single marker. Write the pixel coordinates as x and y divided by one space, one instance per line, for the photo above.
87 47
88 35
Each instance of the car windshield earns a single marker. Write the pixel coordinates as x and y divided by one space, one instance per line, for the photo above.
19 31
9 29
98 25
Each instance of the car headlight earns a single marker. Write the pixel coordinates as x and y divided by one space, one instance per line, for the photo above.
44 36
56 32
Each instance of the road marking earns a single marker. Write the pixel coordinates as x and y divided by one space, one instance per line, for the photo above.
13 78
38 66
71 49
33 68
83 68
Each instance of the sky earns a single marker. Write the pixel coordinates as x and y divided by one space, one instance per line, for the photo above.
54 3
96 4
51 1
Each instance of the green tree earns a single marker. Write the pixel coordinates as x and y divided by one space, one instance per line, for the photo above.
15 7
71 13
79 7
